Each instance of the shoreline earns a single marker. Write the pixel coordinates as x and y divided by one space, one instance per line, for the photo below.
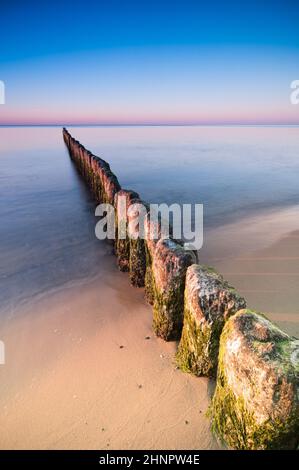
221 245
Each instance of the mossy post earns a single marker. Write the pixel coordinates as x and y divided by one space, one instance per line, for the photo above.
255 405
88 170
169 265
95 179
152 230
209 302
94 170
122 201
148 278
136 215
108 182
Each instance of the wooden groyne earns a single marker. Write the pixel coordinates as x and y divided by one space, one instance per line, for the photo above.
256 400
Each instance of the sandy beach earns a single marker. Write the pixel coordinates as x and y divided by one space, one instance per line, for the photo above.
260 257
85 371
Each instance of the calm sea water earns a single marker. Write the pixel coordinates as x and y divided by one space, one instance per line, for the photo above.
47 223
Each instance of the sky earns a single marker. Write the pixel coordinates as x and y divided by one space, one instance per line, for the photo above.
149 62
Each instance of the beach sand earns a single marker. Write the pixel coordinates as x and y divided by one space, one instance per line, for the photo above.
80 373
260 257
269 280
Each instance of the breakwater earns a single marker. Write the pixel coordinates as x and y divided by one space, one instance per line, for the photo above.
255 404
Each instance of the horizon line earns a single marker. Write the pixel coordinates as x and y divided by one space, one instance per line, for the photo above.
147 124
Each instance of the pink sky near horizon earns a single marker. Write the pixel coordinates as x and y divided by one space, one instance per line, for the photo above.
198 86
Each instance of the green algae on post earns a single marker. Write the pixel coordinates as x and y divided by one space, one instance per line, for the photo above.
153 233
137 267
256 404
209 302
169 265
96 172
148 278
122 200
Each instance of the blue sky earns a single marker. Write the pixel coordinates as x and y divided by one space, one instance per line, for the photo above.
149 62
